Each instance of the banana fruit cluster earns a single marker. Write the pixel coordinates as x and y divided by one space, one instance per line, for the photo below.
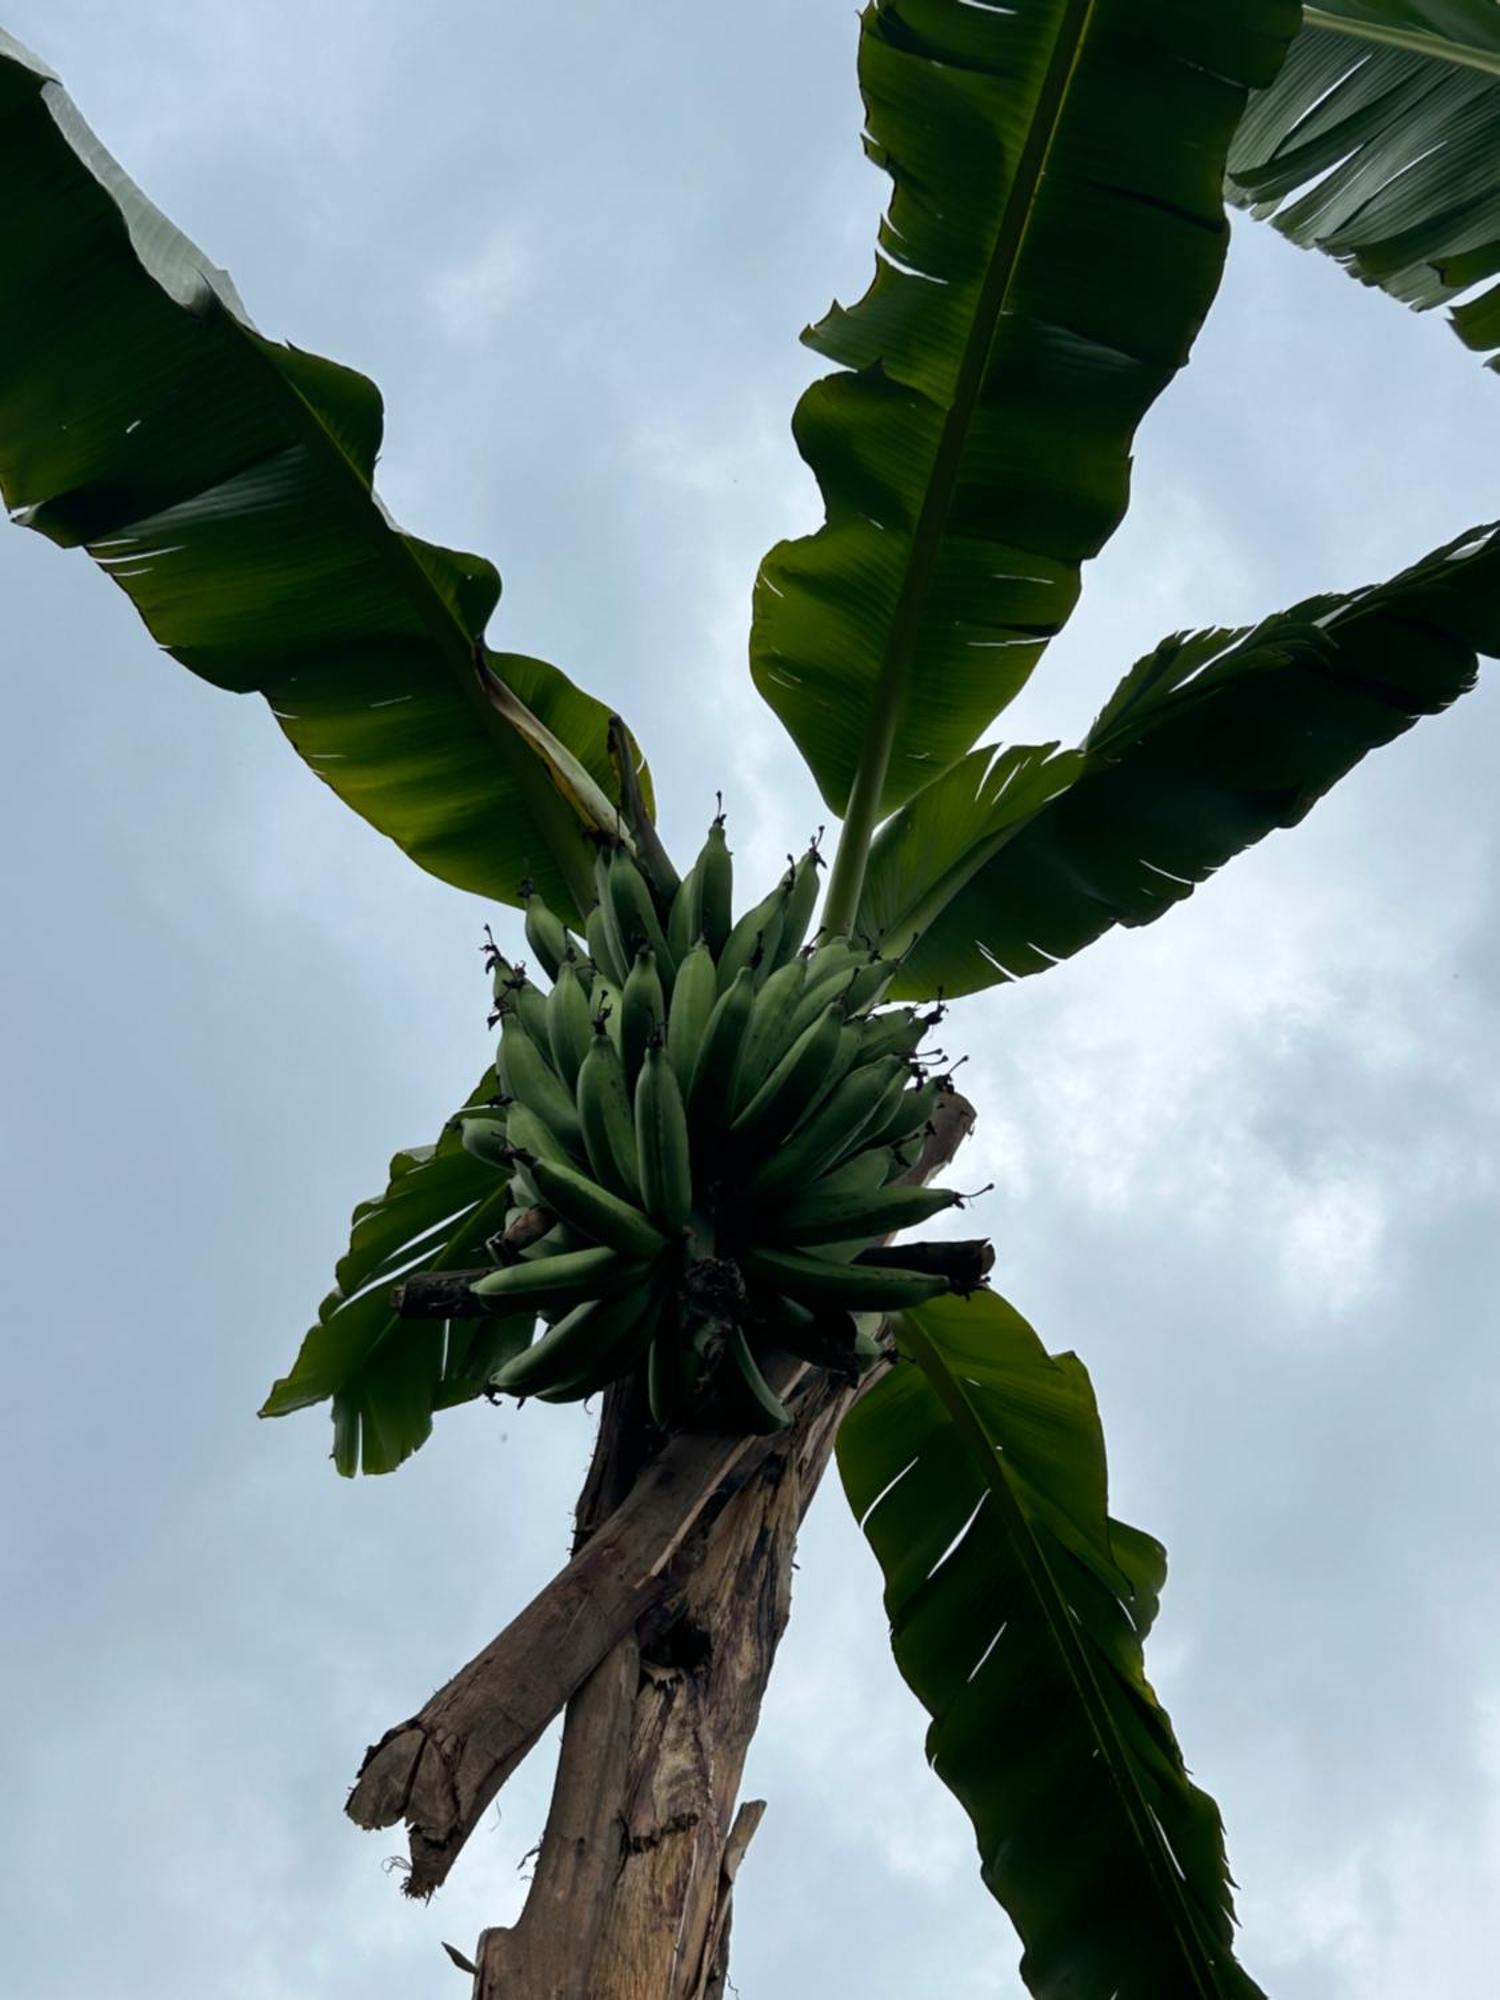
707 1119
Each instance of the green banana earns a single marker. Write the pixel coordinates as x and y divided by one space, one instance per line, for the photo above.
617 1351
483 1134
591 1273
503 975
820 1217
715 871
603 949
684 919
526 1003
643 1011
575 1343
801 901
829 977
812 1001
868 1346
898 1033
835 1129
526 1075
596 1212
606 1119
533 1136
825 1339
786 1092
831 957
693 999
768 1034
861 1174
570 1021
552 1233
815 1281
907 1116
673 1372
661 1135
755 938
845 1252
545 932
476 1348
764 1409
559 1238
622 953
635 919
870 982
713 1073
844 1058
895 1109
606 1003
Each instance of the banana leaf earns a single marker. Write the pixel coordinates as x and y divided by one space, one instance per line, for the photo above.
1210 743
224 482
1379 144
1018 1613
1055 235
385 1376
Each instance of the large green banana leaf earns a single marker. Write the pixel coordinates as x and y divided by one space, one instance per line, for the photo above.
1007 864
386 1376
1379 143
1054 238
1018 1612
224 482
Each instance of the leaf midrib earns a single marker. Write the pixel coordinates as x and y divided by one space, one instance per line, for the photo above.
935 896
950 1392
1414 40
1094 760
450 636
874 766
554 784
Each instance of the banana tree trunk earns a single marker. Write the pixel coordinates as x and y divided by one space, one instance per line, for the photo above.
634 1879
660 1636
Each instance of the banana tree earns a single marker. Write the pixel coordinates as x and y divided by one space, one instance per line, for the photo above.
676 1183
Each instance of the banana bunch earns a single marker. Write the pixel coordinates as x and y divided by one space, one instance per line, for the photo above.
712 1116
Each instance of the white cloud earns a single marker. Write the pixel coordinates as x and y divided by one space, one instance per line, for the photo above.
472 295
1397 1916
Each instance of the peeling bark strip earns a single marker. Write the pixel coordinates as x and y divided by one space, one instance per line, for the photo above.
440 1769
659 1638
716 1959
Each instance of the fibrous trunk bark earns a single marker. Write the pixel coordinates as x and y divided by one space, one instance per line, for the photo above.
632 1892
659 1636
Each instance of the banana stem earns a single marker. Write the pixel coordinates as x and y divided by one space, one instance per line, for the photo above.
847 880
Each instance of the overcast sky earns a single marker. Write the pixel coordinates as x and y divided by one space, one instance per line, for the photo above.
1247 1162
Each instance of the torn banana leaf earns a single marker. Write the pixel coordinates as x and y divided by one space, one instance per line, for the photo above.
224 482
1055 236
387 1376
1210 743
1379 144
1018 1613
